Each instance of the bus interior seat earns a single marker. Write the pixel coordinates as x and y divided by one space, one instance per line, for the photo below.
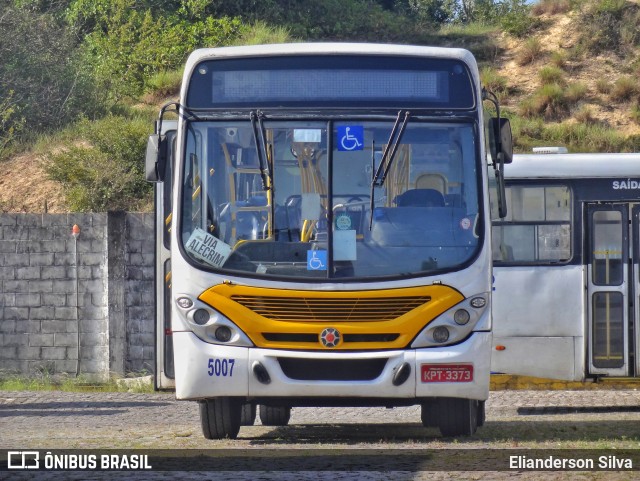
249 223
289 252
506 252
353 206
453 200
287 224
432 181
420 198
393 226
293 216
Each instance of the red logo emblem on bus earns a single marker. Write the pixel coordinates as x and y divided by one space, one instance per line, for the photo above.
330 337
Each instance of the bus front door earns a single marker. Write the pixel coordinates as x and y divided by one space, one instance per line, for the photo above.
163 366
612 248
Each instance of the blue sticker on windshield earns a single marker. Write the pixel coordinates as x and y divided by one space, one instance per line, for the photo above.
316 260
350 137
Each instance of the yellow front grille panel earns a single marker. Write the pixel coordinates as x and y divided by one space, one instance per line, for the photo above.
313 309
295 319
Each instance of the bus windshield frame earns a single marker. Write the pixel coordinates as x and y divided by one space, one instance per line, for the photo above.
313 221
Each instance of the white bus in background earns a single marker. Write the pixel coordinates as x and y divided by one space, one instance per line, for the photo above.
566 266
323 233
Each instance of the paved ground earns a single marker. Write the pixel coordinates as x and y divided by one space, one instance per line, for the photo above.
335 443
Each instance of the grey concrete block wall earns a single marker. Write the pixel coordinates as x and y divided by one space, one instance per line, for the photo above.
75 305
139 292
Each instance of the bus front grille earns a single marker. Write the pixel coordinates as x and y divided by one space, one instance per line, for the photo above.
314 338
332 369
314 309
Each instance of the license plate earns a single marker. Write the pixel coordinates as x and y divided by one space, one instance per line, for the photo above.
447 372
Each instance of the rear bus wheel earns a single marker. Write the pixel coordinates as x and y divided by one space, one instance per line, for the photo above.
274 416
248 414
220 418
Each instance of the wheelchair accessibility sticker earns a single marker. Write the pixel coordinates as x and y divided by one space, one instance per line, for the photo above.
350 137
316 260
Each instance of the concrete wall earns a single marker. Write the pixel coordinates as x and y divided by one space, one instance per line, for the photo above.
76 305
139 295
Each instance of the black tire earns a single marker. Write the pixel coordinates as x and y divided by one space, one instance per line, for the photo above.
429 413
274 416
248 414
220 418
481 413
457 417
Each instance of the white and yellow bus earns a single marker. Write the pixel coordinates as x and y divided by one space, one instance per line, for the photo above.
323 233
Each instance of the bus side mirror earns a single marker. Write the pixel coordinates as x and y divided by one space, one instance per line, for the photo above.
500 138
156 158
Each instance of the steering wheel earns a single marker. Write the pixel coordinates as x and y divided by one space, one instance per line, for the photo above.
359 201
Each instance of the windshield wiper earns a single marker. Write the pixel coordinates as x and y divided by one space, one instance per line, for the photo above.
390 150
261 148
388 156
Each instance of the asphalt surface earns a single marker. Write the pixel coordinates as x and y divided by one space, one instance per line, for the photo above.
327 443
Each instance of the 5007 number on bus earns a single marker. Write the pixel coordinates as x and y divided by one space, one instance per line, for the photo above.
221 367
446 372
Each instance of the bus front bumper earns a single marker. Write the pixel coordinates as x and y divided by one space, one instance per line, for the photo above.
204 370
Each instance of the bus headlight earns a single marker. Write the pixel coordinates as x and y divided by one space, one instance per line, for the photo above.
201 317
478 302
441 334
223 334
461 317
210 325
184 301
456 324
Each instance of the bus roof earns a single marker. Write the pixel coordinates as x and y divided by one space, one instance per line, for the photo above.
329 48
559 166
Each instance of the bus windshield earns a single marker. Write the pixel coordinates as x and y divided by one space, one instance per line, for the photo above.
310 207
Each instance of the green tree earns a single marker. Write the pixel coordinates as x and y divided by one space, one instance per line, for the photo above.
11 123
364 20
131 44
107 173
435 11
40 81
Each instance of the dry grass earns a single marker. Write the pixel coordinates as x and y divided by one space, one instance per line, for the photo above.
549 101
575 92
551 75
585 115
635 113
624 89
558 59
25 187
163 85
551 7
531 51
494 82
603 86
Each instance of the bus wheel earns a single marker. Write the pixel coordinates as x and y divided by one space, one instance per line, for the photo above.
274 416
248 414
429 413
457 417
220 418
481 413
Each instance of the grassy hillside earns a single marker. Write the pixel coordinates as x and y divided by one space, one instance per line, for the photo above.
567 73
576 80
